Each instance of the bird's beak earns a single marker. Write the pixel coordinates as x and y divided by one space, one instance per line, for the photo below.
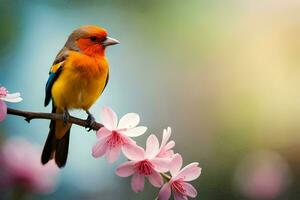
110 41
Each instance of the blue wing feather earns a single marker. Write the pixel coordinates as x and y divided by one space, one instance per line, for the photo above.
52 78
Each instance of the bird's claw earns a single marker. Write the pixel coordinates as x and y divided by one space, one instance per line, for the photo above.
66 117
91 121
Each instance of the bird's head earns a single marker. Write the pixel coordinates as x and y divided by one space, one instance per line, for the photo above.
90 40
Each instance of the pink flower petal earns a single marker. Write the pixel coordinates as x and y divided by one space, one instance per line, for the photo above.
113 153
137 183
165 192
128 140
135 132
13 98
190 190
170 145
13 95
179 196
99 148
133 152
161 164
166 136
190 172
166 154
152 147
175 164
109 118
170 154
155 179
3 110
129 120
103 132
126 169
3 92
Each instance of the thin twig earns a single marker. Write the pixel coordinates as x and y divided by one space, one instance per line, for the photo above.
53 116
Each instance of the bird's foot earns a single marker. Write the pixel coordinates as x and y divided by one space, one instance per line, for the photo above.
91 121
66 116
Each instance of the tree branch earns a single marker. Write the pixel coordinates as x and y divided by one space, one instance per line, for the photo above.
52 116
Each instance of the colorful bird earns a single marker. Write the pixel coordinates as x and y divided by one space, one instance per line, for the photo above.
78 76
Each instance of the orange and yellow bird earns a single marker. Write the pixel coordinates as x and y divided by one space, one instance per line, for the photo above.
77 78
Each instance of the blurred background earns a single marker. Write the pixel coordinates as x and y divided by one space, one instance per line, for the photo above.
223 74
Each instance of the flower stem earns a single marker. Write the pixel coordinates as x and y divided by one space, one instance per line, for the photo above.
166 177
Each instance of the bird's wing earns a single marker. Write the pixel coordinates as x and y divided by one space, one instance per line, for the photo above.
55 72
106 81
53 75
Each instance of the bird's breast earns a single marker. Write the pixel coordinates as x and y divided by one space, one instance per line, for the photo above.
81 82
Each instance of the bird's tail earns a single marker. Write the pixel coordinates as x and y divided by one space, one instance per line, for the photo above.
57 143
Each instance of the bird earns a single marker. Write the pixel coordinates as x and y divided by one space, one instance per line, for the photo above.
77 78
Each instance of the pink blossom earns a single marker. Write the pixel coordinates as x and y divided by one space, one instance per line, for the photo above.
114 137
178 183
144 164
21 167
3 110
165 147
3 92
5 96
262 174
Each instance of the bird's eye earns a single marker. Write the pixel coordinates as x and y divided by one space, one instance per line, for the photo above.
93 39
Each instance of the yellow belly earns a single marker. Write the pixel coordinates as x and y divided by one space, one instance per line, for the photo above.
80 83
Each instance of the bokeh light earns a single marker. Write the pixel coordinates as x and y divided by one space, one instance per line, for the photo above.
262 175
